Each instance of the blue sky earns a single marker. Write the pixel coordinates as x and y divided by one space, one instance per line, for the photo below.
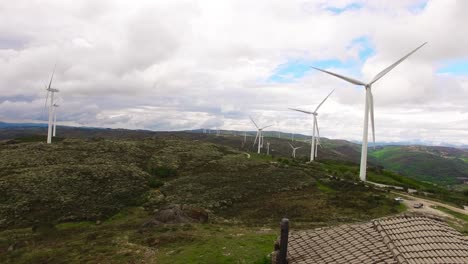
339 10
295 69
459 67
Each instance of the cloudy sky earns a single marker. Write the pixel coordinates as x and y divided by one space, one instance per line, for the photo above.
173 65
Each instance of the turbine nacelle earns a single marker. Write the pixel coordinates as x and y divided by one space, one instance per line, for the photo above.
52 90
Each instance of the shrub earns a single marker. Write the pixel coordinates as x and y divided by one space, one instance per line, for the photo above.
163 172
154 182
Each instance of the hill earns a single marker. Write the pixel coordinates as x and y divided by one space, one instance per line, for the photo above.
441 165
99 195
95 199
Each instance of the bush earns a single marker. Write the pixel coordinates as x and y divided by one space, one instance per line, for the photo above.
163 172
155 182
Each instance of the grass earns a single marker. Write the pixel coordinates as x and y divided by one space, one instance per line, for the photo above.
461 222
220 244
458 215
120 240
422 163
245 198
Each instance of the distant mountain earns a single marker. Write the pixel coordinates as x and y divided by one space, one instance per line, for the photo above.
16 125
442 165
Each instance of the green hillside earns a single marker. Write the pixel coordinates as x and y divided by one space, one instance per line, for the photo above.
90 200
100 195
439 165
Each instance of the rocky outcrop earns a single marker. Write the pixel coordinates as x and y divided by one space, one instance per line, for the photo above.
178 214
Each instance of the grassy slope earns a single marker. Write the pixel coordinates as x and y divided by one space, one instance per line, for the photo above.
460 222
117 240
244 196
423 163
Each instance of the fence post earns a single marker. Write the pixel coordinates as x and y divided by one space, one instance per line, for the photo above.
283 252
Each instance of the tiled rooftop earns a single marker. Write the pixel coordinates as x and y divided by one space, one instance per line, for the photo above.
402 239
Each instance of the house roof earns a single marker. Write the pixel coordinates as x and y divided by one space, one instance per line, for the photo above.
402 239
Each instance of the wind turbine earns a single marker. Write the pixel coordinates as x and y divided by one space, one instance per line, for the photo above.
268 148
313 151
55 118
259 135
50 91
294 150
369 106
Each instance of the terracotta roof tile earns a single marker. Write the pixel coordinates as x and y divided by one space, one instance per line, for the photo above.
394 240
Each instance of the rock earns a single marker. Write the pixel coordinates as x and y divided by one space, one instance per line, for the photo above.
12 247
98 222
178 214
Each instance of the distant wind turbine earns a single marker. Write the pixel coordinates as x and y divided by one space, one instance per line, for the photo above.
369 107
313 150
50 91
259 135
294 150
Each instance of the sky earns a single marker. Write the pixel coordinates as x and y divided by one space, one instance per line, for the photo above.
176 65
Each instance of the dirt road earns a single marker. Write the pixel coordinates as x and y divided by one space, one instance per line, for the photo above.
411 200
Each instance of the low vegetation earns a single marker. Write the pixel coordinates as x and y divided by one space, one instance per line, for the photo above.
92 199
440 165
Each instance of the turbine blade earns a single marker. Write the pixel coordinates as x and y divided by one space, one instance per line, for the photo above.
291 145
47 98
52 77
323 101
251 119
256 136
389 68
348 79
298 147
299 110
316 127
266 127
371 109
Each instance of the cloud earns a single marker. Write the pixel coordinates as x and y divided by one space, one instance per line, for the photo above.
173 65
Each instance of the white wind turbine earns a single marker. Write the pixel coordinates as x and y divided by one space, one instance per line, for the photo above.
50 91
369 107
55 119
313 148
294 150
259 135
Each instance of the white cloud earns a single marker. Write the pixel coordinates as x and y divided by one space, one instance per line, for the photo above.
185 64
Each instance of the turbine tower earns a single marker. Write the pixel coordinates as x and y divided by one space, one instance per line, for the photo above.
259 135
294 150
369 106
50 91
55 119
313 150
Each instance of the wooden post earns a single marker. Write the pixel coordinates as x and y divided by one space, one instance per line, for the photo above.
283 251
